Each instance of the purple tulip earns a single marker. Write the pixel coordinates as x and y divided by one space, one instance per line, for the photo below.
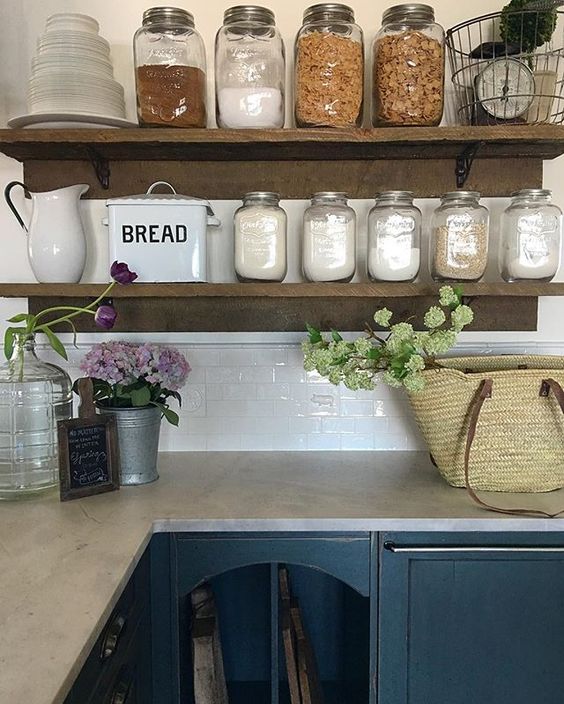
121 274
105 317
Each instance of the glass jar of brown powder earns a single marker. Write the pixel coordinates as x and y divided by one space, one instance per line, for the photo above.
170 70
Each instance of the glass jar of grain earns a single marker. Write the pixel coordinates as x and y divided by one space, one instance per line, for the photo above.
459 238
329 68
408 68
531 237
170 70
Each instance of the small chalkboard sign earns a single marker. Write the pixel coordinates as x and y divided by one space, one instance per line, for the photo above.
88 452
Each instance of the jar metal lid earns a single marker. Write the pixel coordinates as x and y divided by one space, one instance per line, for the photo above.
329 195
262 195
454 195
532 193
168 16
409 11
248 13
395 194
328 11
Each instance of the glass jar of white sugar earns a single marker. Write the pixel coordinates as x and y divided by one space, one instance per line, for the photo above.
394 237
329 238
531 237
260 238
249 69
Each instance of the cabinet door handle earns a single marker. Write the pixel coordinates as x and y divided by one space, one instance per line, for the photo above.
392 547
111 639
121 693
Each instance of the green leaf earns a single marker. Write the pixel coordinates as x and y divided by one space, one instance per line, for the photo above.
169 414
54 341
20 317
314 334
141 397
9 342
374 353
336 336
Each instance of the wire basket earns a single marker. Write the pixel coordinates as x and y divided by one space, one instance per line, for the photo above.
507 82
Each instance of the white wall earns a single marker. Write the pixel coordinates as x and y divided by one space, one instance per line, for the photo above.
22 21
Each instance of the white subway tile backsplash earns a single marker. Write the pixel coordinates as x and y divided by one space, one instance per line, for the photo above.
258 397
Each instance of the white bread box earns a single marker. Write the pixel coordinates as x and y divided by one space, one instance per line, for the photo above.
162 237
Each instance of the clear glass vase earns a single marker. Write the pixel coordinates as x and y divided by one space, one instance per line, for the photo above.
34 396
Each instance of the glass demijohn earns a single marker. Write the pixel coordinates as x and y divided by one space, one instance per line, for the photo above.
34 396
329 68
408 63
329 238
394 237
170 70
531 237
249 69
459 238
260 238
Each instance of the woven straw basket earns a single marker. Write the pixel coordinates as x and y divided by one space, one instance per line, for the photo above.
494 423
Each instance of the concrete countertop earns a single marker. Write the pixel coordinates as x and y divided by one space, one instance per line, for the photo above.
63 566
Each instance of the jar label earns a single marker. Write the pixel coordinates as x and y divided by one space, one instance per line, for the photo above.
396 224
330 238
259 238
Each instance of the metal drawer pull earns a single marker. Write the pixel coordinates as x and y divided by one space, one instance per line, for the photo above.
121 692
392 547
111 639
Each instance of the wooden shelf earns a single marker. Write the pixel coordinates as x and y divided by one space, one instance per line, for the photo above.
272 290
282 307
541 141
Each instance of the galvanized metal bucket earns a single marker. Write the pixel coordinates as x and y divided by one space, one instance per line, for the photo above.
138 436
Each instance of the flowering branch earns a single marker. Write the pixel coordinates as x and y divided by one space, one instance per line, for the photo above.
104 315
402 356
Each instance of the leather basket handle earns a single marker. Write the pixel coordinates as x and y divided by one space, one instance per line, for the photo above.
485 392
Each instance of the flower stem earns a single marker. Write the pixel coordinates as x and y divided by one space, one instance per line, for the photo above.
77 311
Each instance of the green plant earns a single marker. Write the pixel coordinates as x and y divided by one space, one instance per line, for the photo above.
402 356
526 29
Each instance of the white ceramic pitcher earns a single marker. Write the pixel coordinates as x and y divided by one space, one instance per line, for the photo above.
56 239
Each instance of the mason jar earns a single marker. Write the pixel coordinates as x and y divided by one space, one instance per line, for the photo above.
249 69
408 66
394 237
170 70
531 237
329 238
260 226
459 238
329 68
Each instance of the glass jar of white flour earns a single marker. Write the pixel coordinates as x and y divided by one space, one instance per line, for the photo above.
394 237
260 238
329 238
531 237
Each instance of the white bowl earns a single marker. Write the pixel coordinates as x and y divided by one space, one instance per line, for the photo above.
70 37
71 21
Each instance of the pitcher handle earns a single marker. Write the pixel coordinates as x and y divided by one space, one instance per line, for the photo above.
11 205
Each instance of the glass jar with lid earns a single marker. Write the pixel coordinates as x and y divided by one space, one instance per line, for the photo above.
329 68
459 238
408 68
531 237
260 238
329 238
170 70
394 237
249 69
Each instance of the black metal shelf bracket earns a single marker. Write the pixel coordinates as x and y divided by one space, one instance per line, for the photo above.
101 167
464 163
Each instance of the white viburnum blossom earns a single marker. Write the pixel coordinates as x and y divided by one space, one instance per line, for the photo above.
440 342
363 345
461 316
447 296
382 317
414 383
434 317
391 380
415 363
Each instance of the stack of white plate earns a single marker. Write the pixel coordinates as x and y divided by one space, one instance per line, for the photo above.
72 72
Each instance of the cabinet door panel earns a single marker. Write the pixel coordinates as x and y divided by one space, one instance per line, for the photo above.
472 625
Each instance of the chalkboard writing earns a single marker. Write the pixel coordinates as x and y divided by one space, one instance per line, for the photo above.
88 456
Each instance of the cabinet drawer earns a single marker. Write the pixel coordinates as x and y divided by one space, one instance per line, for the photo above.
116 635
346 556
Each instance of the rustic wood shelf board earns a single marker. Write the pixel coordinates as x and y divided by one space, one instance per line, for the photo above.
272 290
539 141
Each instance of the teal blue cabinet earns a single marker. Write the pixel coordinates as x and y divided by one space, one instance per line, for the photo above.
471 619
